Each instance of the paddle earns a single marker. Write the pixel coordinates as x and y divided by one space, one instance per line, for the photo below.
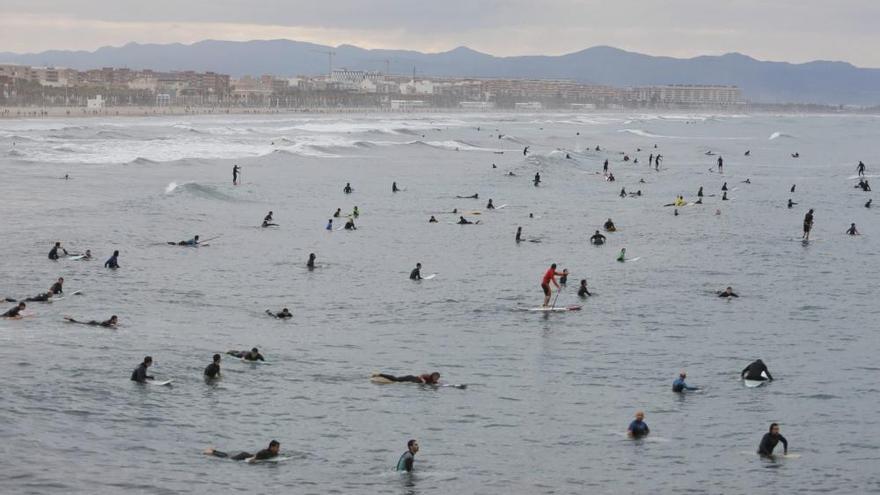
555 298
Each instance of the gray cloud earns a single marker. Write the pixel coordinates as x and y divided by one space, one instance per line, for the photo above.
768 29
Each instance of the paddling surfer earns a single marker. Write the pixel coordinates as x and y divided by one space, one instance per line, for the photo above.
109 323
268 453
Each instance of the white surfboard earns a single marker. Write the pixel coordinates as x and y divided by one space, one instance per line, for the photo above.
254 460
429 277
248 361
500 207
553 309
160 383
64 296
77 257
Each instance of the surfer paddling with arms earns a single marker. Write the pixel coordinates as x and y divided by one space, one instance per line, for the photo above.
265 454
549 276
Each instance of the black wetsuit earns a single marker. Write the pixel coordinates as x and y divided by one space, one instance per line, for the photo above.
426 379
247 356
598 239
405 463
727 294
112 262
583 292
769 442
416 274
12 313
56 288
40 297
140 374
753 372
53 254
260 456
212 370
94 323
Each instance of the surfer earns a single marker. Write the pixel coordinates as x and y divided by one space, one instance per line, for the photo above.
347 189
724 187
355 212
53 253
57 286
609 226
756 371
113 261
537 179
605 167
88 255
251 355
405 463
622 192
700 192
281 315
213 369
598 239
329 224
610 178
349 224
416 274
140 373
852 230
14 311
549 276
394 188
728 292
525 151
748 153
109 323
793 186
651 159
795 155
267 222
268 453
720 165
582 290
638 428
563 279
518 235
424 379
490 206
432 219
868 204
861 168
808 224
472 196
622 256
770 440
195 240
311 263
338 213
236 170
463 221
678 385
790 203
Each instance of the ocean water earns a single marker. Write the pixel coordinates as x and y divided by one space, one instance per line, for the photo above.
549 396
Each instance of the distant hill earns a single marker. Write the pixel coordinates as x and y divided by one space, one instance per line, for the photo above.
767 82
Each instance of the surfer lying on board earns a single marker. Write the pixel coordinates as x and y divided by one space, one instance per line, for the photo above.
638 428
679 385
268 453
111 323
464 221
728 292
549 276
58 287
426 379
14 311
770 440
140 373
598 239
252 355
754 371
473 196
284 313
41 297
191 242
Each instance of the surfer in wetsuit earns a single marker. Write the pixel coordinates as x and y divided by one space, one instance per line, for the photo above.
537 179
582 290
770 440
622 256
416 274
700 192
267 221
609 226
868 204
311 263
425 379
490 206
605 167
213 369
720 165
337 213
754 371
679 385
329 224
638 428
525 151
347 189
790 203
728 292
194 241
598 239
394 188
852 230
432 219
53 253
349 224
518 235
268 453
113 261
109 323
405 463
57 286
861 168
282 315
463 221
808 224
549 276
252 355
140 373
724 187
14 311
235 171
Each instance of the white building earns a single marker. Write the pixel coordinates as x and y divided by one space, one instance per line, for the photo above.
95 103
417 88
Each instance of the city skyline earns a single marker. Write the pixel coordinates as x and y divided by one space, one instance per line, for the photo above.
778 31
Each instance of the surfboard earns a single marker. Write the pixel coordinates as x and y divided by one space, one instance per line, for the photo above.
429 277
637 258
64 296
254 460
553 309
500 207
160 383
77 257
384 381
247 361
754 383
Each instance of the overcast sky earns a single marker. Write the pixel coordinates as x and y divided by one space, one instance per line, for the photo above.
785 30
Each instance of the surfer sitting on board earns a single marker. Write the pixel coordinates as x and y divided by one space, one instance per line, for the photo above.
852 230
582 290
284 313
111 323
347 189
337 213
425 379
349 225
490 206
770 440
58 287
405 463
728 292
14 311
269 453
432 219
679 385
213 369
754 371
609 226
252 355
416 274
638 428
597 239
549 276
267 221
140 373
622 256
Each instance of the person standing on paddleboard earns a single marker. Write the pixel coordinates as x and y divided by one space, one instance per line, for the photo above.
236 170
808 224
549 276
770 440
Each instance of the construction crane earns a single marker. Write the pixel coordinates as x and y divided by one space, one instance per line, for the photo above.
330 54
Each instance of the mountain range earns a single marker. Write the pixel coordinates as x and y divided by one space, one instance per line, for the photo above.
821 82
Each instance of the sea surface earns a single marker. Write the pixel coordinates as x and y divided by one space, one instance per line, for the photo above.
549 396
